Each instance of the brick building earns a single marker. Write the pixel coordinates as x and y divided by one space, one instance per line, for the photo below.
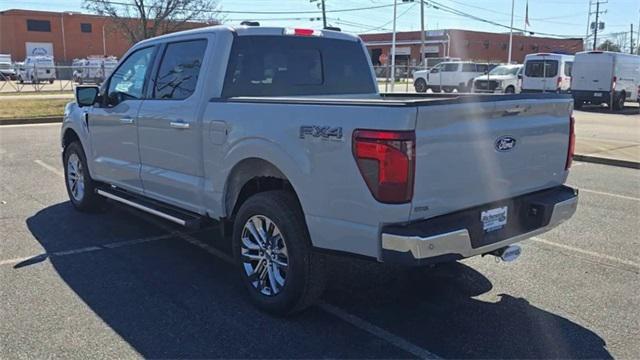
464 44
64 35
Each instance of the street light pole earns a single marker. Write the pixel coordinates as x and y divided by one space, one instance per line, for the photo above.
324 16
511 32
422 58
393 47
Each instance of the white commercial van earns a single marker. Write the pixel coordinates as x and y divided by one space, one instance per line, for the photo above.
36 69
545 72
601 77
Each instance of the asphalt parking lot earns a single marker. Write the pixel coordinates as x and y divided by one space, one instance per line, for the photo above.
121 284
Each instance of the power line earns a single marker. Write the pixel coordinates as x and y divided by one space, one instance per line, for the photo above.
259 12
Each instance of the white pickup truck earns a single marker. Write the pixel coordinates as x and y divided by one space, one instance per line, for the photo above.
281 135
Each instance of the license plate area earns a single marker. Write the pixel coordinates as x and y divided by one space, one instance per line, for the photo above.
494 219
597 94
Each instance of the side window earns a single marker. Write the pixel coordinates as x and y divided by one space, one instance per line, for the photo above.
127 82
450 67
468 67
482 68
568 67
179 70
436 69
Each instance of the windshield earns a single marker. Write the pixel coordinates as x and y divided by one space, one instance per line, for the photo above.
504 70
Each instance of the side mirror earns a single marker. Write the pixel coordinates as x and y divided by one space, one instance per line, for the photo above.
86 95
519 76
433 71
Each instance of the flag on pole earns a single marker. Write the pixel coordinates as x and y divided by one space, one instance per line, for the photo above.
526 15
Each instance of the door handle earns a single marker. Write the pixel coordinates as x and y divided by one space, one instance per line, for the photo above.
179 124
126 120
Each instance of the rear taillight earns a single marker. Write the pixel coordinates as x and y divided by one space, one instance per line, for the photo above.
559 82
613 83
387 162
572 142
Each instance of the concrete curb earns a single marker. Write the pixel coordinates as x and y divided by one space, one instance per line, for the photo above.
607 161
38 120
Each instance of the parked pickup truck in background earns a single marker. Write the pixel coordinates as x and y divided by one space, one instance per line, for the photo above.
502 79
449 76
282 136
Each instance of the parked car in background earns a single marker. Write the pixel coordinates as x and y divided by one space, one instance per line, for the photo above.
281 135
449 76
545 72
604 77
36 69
6 68
93 69
501 79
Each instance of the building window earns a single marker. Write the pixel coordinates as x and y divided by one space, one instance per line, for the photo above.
39 25
486 44
85 28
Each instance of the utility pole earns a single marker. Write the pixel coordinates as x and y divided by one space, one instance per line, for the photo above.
511 32
595 34
597 23
631 47
586 38
422 58
324 14
393 47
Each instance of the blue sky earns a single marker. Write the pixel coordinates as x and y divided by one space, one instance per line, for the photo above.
565 17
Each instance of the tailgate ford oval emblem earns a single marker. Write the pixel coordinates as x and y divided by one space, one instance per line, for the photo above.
505 143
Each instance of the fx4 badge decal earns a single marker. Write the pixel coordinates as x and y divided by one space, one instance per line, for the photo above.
322 132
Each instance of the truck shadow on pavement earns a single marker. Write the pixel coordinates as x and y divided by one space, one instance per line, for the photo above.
169 299
597 109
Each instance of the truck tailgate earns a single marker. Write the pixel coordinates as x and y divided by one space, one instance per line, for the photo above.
460 165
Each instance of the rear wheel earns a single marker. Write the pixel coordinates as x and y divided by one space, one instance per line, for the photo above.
80 186
618 101
420 85
273 252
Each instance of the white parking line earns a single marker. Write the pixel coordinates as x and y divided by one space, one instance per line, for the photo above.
632 264
49 167
87 249
608 194
28 125
379 332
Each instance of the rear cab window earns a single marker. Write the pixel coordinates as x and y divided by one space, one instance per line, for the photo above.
541 68
261 65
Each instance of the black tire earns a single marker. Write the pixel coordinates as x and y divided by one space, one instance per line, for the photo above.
305 273
51 81
89 201
448 89
618 101
420 85
20 80
510 90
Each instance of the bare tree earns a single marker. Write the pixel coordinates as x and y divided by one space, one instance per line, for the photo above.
143 19
609 45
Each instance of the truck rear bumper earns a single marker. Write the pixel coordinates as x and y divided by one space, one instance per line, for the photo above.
460 235
594 97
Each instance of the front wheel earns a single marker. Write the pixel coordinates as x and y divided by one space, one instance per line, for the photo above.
272 249
510 90
420 85
80 186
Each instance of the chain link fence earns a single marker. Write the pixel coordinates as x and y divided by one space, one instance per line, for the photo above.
58 78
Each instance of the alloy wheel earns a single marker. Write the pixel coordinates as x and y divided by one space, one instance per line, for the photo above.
264 255
75 177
